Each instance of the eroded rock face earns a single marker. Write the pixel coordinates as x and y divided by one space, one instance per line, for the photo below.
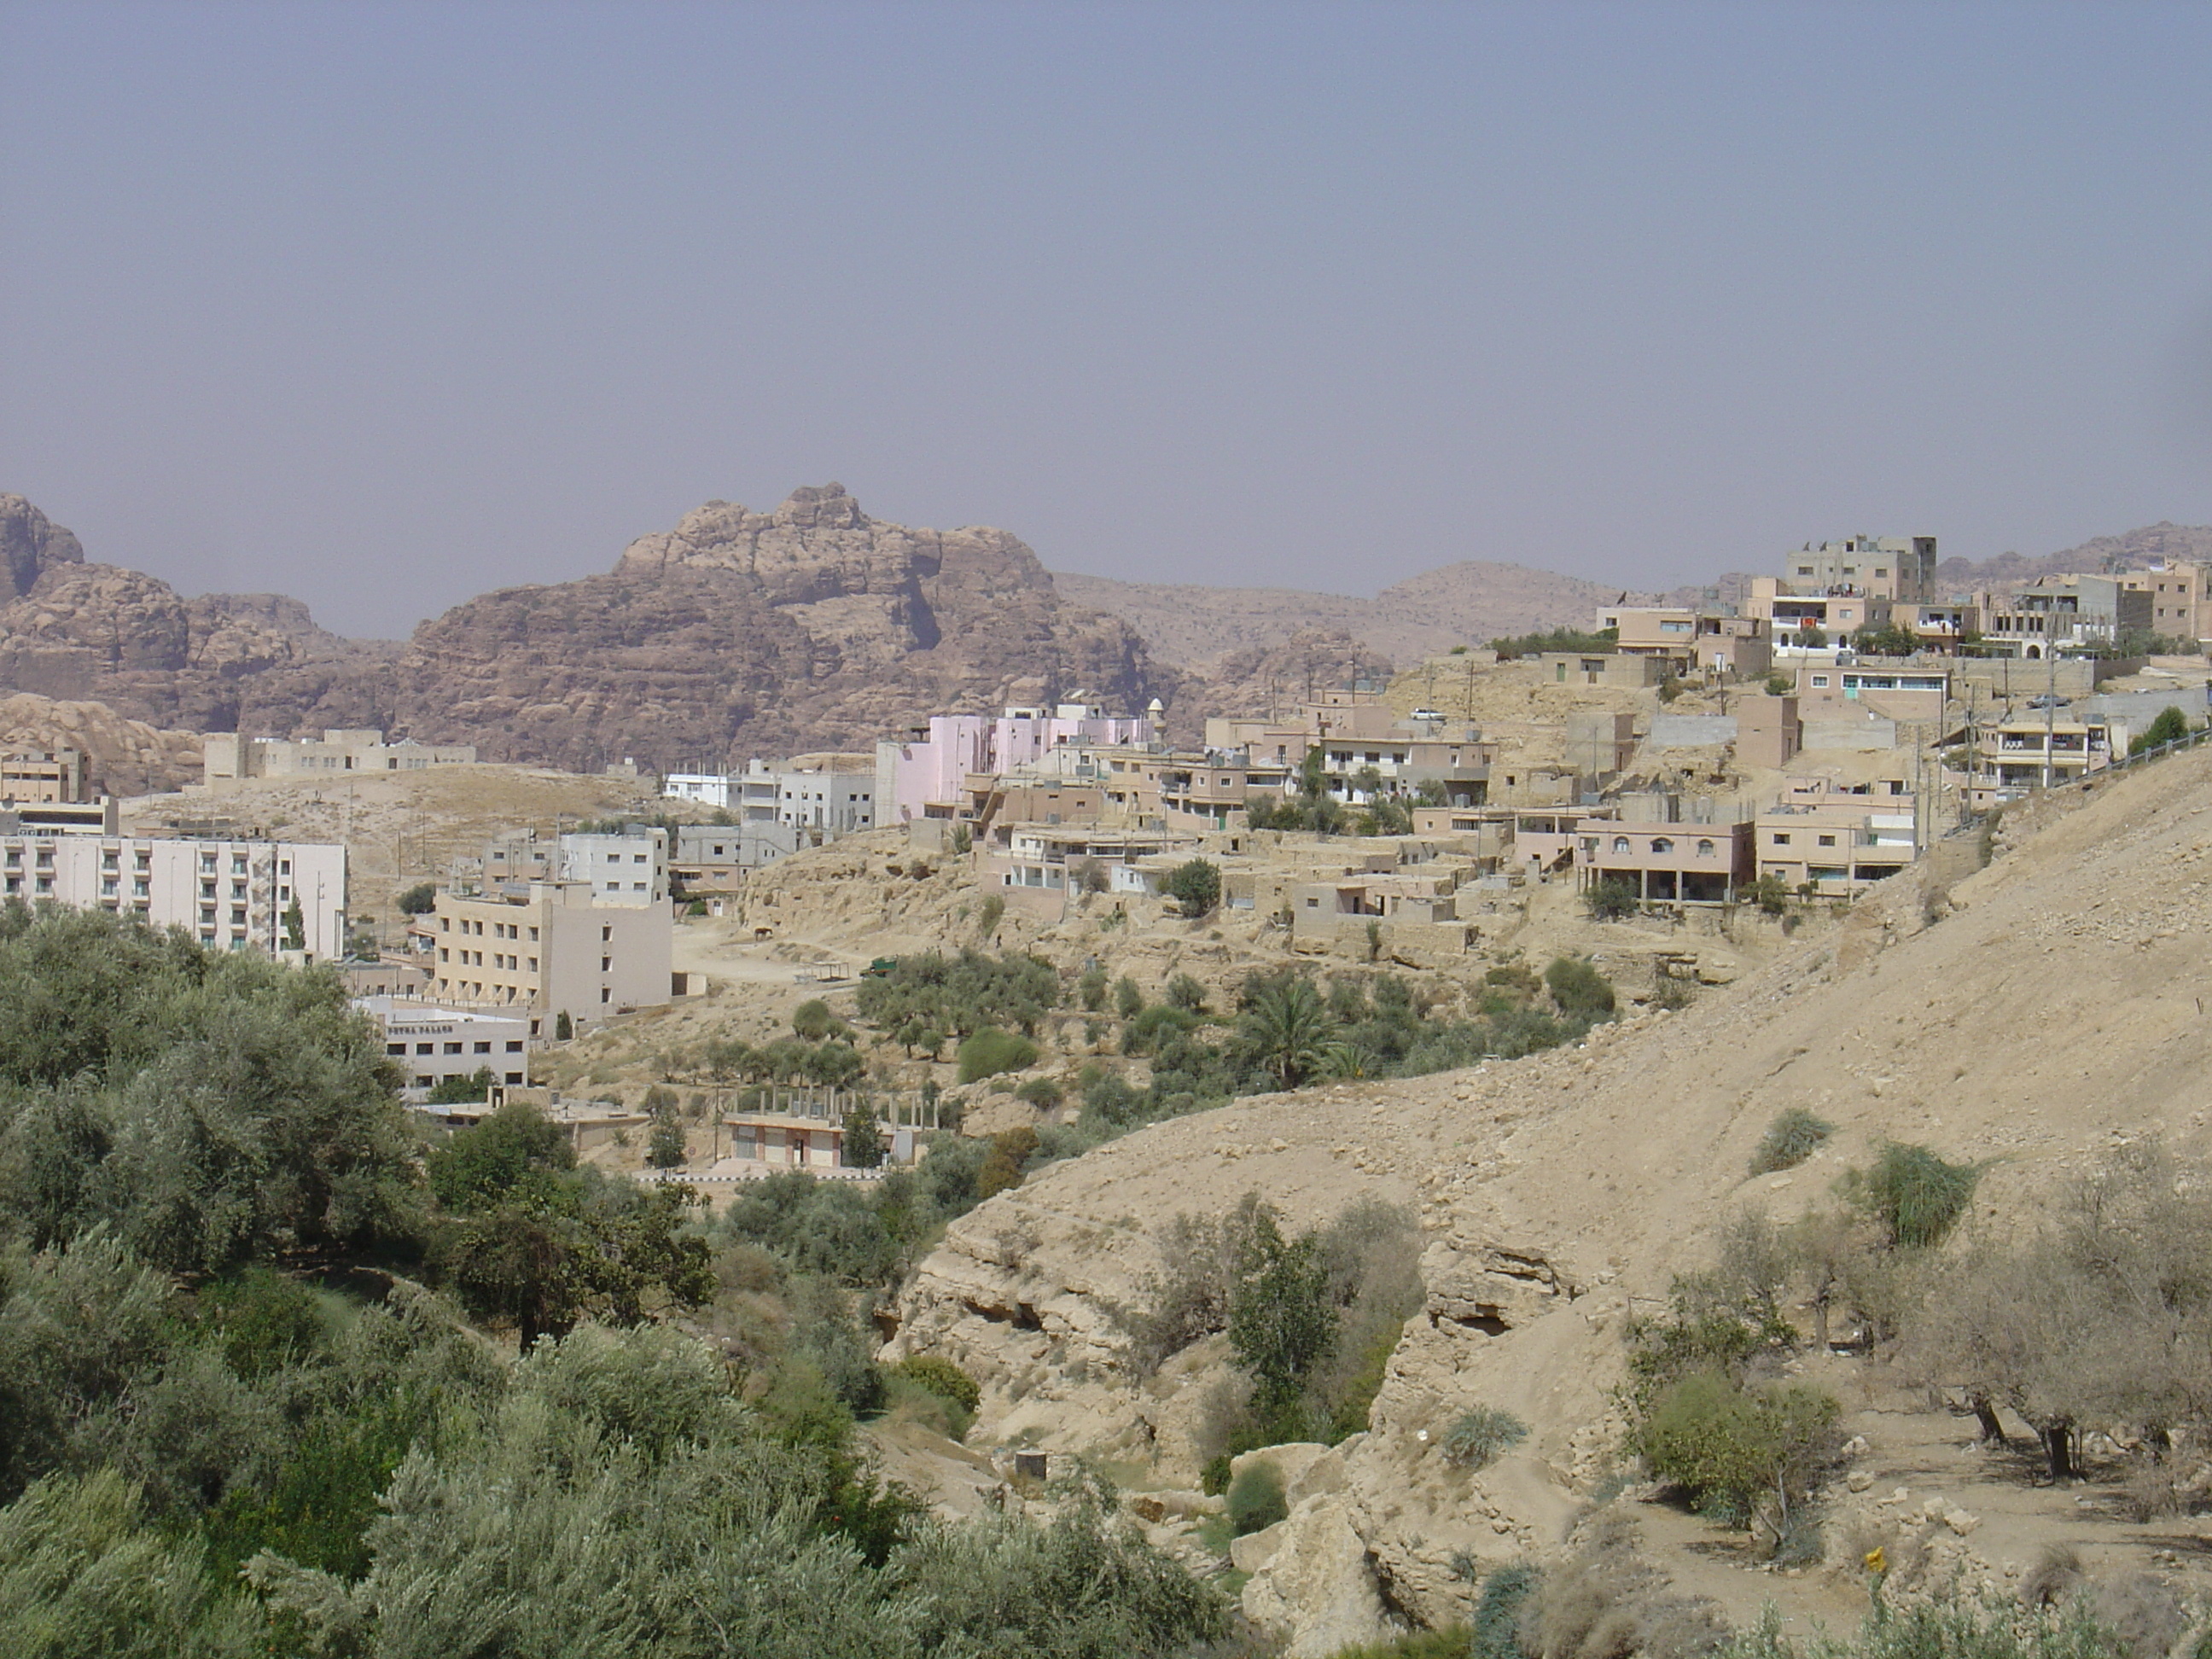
736 634
30 545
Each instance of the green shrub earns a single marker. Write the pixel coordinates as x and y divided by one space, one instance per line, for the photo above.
1498 1610
1195 886
419 900
1610 900
1256 1500
812 1019
1479 1437
940 1377
991 1051
462 1090
1042 1092
1771 894
1003 1164
1580 990
1794 1136
987 918
1915 1195
1186 995
1128 1001
1092 988
1731 1448
2171 726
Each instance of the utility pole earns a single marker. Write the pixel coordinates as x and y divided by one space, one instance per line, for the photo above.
2049 707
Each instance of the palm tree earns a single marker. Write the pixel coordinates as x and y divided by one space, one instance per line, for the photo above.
1289 1029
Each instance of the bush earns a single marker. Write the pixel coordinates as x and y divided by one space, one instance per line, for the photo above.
419 900
1256 1499
1579 989
1042 1092
941 1376
1195 886
1499 1609
1915 1195
462 1090
1187 993
992 1051
1479 1437
1003 1165
1128 1001
1769 893
812 1019
2171 726
1610 900
1091 875
1780 685
987 918
1731 1448
1091 989
1794 1136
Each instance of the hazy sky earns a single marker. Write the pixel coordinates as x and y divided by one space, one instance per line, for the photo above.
383 305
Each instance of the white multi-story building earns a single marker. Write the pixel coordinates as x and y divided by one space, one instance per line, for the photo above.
630 868
228 894
431 1043
835 793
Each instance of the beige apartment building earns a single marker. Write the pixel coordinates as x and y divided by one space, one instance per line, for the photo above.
1703 642
1836 844
2014 758
1843 587
2180 604
229 756
40 774
1668 863
545 945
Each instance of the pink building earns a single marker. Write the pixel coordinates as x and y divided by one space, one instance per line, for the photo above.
926 775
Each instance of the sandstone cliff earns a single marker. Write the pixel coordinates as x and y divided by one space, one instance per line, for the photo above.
742 633
736 634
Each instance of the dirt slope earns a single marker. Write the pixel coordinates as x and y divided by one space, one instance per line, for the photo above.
2054 1007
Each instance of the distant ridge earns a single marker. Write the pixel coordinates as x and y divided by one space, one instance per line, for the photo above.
1470 603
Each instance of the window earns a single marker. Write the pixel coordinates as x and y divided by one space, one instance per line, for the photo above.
1827 841
395 1047
1620 844
605 995
514 1045
1820 680
426 1048
1704 849
1782 838
1661 844
453 1048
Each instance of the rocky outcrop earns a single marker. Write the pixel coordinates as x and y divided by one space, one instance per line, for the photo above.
738 633
31 544
122 756
741 633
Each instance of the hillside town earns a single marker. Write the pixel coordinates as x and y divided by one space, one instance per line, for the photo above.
1671 762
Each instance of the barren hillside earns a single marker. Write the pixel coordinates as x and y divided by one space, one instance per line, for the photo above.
2045 1008
1472 602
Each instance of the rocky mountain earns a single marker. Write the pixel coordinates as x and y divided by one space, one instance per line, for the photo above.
2159 543
736 634
1469 603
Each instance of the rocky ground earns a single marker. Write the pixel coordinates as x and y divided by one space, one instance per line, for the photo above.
2034 1015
